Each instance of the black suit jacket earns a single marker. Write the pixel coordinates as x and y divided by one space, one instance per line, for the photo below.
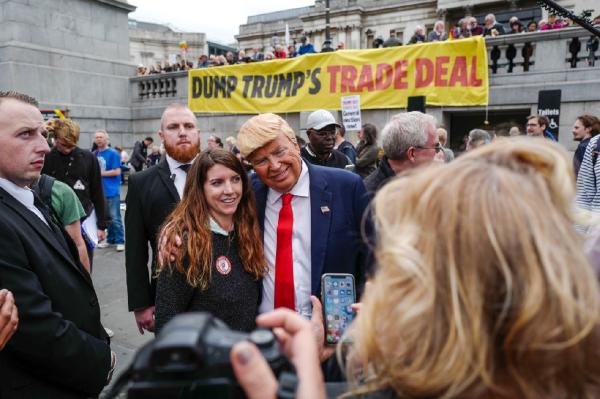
139 154
151 196
60 349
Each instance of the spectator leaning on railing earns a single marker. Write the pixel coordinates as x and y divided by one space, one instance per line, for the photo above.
418 36
532 26
516 26
493 27
438 33
553 23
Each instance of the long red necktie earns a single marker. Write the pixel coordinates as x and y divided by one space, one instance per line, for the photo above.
284 262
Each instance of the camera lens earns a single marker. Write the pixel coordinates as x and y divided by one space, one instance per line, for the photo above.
262 338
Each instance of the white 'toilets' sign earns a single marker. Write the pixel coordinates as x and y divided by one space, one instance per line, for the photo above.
351 112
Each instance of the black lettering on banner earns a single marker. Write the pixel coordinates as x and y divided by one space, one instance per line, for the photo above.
220 83
207 83
285 82
271 86
314 79
298 82
196 87
259 84
247 79
231 85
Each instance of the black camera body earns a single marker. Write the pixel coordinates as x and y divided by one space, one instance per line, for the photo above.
190 359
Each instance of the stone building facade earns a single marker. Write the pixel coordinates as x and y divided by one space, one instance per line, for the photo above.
151 43
359 23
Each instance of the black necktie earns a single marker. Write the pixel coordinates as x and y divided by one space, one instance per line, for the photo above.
185 167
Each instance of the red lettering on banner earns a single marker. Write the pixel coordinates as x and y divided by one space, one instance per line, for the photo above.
424 75
348 78
382 69
400 73
474 81
365 79
333 71
459 72
441 70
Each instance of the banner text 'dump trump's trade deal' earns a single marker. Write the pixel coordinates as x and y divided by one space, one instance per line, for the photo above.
450 73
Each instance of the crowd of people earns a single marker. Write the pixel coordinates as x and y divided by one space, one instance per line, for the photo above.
472 273
465 27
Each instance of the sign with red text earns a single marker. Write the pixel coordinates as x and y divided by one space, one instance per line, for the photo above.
450 73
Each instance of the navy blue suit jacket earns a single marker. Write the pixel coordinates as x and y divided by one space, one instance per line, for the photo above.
338 200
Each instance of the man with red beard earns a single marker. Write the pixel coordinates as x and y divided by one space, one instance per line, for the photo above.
151 196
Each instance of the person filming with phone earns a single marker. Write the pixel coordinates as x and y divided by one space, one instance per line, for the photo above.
473 296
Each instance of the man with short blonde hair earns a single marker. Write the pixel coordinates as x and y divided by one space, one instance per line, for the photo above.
325 204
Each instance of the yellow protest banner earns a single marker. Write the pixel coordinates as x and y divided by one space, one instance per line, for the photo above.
450 73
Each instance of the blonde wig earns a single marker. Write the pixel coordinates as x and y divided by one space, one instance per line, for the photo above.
482 288
261 130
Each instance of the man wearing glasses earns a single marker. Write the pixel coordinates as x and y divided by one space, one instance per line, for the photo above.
538 126
410 139
321 128
311 216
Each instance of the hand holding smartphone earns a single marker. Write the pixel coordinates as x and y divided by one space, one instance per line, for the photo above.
338 294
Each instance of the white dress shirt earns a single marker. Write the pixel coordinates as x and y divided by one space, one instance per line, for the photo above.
23 195
177 175
301 245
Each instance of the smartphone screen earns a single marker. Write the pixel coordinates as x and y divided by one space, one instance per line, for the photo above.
338 293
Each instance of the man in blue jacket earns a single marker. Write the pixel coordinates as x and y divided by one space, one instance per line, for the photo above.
311 215
305 47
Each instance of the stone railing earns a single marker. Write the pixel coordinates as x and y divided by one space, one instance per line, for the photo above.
542 51
167 85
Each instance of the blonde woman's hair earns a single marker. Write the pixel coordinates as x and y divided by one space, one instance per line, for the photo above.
261 130
65 129
482 287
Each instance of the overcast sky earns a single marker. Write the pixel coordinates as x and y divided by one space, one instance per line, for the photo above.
219 19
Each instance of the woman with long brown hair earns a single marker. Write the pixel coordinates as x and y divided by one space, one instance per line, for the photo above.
367 151
221 261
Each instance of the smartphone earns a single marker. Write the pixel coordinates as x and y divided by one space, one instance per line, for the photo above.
338 293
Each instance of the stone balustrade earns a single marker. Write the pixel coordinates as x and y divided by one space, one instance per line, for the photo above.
553 50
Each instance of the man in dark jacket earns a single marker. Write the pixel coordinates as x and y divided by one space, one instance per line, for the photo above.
321 129
152 195
59 349
492 27
410 139
585 127
343 145
80 170
140 153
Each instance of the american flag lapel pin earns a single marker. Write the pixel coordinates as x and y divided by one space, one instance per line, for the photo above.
324 209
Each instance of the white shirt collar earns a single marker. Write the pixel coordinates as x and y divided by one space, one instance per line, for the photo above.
300 189
215 228
173 164
21 194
